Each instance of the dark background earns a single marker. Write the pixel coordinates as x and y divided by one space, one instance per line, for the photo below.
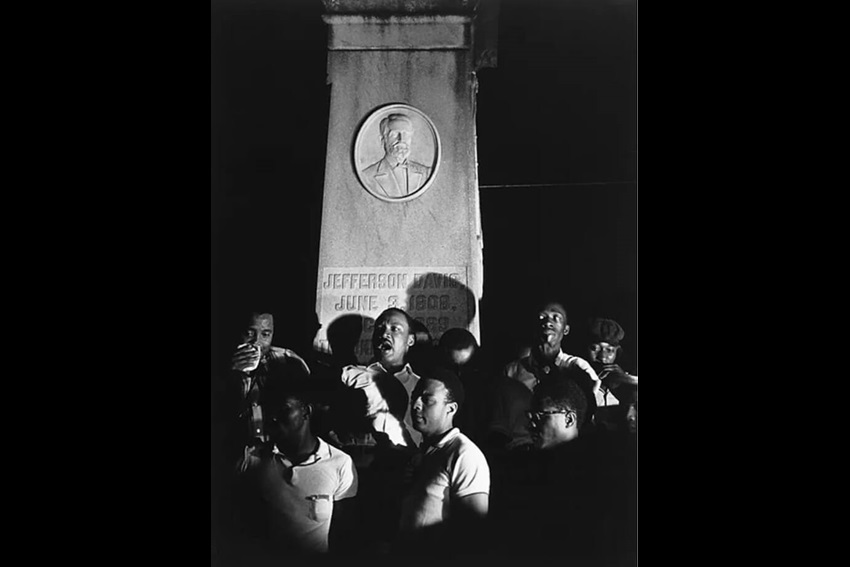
557 121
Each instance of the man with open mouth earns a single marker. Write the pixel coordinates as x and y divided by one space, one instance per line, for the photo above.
388 382
391 441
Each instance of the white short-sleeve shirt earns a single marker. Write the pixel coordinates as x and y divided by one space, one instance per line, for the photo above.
300 498
453 468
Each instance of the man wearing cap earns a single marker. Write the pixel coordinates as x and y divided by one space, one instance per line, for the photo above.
618 386
395 175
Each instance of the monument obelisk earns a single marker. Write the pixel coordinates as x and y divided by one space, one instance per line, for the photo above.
400 216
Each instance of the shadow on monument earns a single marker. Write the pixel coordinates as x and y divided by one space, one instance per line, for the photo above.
437 302
344 334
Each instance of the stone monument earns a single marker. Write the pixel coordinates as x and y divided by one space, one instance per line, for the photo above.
401 219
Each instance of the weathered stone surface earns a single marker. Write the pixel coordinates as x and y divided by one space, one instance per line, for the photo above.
426 64
399 6
398 32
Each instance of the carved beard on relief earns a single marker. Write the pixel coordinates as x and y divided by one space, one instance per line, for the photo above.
400 151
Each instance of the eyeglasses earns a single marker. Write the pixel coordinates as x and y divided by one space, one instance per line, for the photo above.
536 416
606 349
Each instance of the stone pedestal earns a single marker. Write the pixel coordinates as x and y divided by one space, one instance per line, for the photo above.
394 237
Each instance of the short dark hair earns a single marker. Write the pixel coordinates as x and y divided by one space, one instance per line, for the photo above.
454 387
344 332
276 392
411 322
457 338
564 393
238 317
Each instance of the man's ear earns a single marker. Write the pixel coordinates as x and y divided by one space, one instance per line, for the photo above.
571 419
452 407
308 410
566 329
411 339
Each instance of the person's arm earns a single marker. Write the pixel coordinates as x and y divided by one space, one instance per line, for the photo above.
251 456
467 528
342 531
298 366
344 517
473 506
614 375
470 482
596 381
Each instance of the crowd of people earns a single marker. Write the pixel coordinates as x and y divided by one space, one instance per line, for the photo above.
430 450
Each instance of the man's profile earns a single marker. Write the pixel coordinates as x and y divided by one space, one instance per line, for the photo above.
395 175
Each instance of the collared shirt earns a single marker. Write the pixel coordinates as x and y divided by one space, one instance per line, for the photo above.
528 370
368 379
300 497
512 403
452 468
606 398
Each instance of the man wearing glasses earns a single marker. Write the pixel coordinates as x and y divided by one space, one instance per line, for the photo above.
546 359
583 493
548 497
558 411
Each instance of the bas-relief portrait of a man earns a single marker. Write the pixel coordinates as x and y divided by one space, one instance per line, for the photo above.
397 176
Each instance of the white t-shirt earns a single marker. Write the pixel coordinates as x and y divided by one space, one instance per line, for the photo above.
453 468
300 498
